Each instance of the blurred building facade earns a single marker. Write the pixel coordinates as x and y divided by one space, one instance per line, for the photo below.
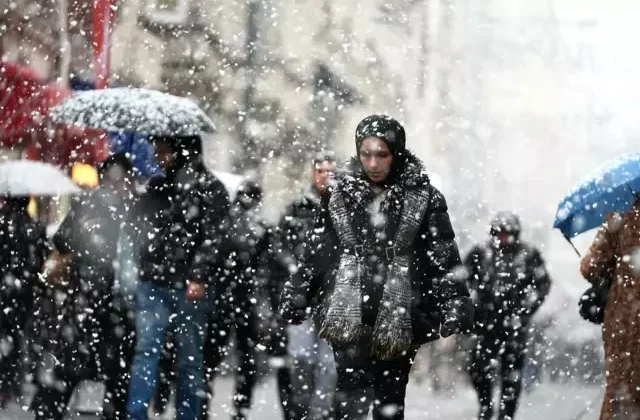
310 70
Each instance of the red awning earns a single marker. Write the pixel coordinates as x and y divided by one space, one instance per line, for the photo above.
25 101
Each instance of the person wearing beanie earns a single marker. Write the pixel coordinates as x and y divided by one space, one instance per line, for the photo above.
510 282
377 273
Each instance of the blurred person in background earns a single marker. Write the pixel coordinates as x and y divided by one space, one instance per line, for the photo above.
312 366
235 306
180 221
509 282
23 249
91 338
377 272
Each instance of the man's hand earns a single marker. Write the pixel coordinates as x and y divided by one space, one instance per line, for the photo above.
195 291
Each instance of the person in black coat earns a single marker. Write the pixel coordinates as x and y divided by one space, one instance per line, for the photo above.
23 249
91 340
179 226
509 282
311 362
245 244
377 273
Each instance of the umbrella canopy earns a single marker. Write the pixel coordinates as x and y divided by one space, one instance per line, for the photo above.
142 111
612 187
26 100
31 178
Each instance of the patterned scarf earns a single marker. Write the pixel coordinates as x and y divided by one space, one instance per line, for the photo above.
406 202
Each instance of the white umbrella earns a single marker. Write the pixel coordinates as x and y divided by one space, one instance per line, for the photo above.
134 110
31 178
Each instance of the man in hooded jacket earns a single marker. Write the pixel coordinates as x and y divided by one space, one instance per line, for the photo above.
509 282
179 228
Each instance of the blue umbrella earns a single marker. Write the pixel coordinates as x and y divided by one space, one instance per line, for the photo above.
140 151
612 187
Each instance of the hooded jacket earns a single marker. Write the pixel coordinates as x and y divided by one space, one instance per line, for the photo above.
510 283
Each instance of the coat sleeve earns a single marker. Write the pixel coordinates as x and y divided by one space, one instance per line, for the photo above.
289 235
601 257
443 258
67 232
472 266
318 256
537 291
214 209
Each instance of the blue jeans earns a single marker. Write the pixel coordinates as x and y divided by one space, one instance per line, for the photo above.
156 306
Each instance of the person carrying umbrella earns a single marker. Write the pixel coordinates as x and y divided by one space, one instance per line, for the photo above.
609 198
180 219
509 282
23 249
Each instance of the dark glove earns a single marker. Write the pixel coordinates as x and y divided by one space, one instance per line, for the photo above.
457 317
593 302
294 316
293 308
449 328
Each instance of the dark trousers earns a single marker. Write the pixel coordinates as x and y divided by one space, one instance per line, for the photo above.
217 347
284 392
278 350
12 334
506 349
114 341
363 381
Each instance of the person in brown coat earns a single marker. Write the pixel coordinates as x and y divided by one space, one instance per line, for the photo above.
615 252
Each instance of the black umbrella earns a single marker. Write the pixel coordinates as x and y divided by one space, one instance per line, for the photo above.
135 110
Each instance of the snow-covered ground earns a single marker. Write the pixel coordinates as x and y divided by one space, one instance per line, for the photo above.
558 402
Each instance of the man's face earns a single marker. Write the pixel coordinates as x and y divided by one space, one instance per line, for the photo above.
321 173
164 155
503 239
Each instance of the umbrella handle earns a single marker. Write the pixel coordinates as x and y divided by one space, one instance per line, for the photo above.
572 245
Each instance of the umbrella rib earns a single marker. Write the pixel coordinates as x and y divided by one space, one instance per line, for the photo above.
630 189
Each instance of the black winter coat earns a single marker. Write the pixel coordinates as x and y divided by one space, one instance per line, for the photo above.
80 327
289 243
244 247
433 255
509 284
89 233
179 226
